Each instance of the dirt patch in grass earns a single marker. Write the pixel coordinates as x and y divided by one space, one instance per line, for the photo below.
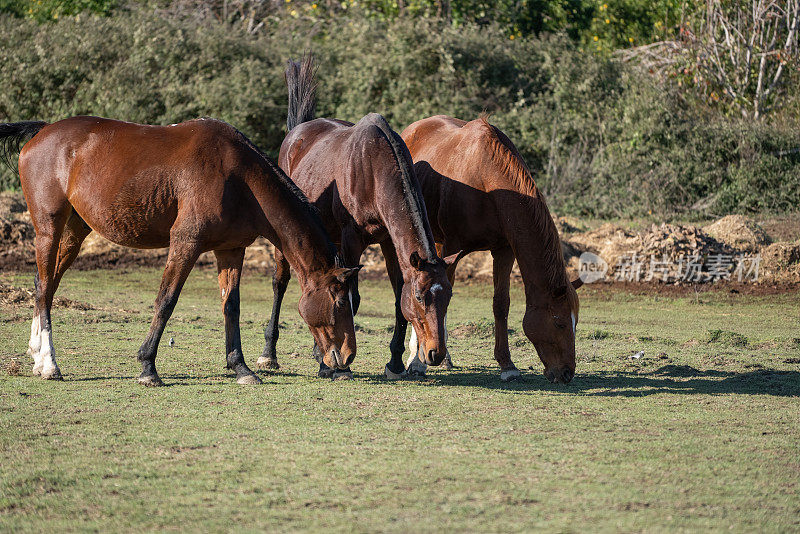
484 328
20 296
725 337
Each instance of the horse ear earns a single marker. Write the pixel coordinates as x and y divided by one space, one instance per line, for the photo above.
578 282
454 258
343 274
415 260
560 292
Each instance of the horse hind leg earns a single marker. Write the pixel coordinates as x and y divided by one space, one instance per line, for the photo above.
50 227
75 231
229 269
280 280
35 343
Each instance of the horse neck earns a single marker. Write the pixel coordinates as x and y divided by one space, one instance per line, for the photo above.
534 240
293 227
408 228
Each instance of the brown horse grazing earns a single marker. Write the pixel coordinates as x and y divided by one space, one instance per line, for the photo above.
480 196
196 186
361 178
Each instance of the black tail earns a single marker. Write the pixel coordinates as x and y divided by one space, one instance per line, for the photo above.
13 135
302 91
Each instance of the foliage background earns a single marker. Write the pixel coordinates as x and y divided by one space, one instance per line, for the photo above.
604 137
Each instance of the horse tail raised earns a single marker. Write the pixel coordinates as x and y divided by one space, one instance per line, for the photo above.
15 134
302 85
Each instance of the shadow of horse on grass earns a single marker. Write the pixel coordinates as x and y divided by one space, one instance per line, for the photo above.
670 379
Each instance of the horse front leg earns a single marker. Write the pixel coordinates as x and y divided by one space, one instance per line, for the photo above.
503 261
280 281
229 269
180 260
395 368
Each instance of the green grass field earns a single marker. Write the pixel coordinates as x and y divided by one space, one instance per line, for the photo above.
703 432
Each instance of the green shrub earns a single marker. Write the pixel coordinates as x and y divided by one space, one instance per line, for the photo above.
601 138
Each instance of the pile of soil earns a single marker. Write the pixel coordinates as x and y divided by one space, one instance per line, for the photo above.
734 236
780 262
739 232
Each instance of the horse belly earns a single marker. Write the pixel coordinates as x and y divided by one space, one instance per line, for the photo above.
468 219
135 217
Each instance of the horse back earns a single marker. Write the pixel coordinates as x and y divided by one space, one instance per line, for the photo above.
454 169
349 171
130 181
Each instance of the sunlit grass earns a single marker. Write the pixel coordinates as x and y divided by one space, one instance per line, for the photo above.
702 432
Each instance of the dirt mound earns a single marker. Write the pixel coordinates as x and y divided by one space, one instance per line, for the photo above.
567 225
612 242
20 296
673 239
15 231
739 232
12 203
609 241
781 262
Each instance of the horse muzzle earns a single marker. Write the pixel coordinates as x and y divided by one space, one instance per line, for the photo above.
434 357
340 361
560 376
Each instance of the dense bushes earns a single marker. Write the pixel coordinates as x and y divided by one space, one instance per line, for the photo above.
602 139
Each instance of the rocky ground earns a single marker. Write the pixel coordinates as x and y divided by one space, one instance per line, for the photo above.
724 242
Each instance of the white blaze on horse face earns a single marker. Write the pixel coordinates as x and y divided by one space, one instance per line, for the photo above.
573 323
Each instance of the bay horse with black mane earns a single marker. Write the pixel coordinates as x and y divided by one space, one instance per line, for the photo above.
480 195
361 178
196 186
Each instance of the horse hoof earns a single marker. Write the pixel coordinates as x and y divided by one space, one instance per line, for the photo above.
415 373
267 364
248 380
447 364
342 375
392 375
325 373
509 375
52 374
151 381
37 370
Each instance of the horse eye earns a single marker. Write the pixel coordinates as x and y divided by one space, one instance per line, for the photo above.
418 296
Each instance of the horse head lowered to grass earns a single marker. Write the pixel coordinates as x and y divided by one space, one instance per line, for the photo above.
480 195
196 186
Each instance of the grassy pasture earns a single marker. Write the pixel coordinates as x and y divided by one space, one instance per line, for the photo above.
703 432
